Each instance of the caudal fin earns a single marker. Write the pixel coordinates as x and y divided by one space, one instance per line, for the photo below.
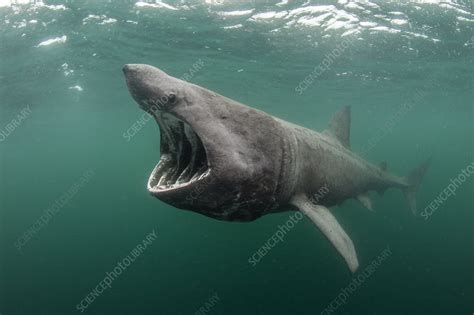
414 181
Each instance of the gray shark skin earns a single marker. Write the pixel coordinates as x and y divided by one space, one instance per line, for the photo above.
231 162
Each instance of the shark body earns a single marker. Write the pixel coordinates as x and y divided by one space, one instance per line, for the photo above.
231 162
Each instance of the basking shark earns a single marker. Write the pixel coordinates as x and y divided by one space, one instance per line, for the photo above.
232 162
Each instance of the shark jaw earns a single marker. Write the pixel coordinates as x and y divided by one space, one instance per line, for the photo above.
183 158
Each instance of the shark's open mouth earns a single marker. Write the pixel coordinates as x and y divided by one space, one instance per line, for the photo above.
183 159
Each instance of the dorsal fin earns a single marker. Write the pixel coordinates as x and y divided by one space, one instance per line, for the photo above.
340 126
383 166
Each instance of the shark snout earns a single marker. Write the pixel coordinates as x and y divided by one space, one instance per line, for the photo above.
129 69
142 71
135 73
126 68
148 85
139 80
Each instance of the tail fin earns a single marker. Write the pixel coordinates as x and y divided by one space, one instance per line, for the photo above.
414 181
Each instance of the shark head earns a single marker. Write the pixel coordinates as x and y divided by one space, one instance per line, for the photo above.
217 157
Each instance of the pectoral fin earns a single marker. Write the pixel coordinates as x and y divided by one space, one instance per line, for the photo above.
328 225
365 201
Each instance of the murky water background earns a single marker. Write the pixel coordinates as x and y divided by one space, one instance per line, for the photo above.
76 152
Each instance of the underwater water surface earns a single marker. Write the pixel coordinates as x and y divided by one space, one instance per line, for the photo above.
79 233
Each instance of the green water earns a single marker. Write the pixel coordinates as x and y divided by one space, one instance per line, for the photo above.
65 112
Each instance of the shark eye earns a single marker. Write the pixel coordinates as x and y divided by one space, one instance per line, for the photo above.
172 98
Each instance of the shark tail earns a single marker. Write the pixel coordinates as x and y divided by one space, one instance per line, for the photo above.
414 180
